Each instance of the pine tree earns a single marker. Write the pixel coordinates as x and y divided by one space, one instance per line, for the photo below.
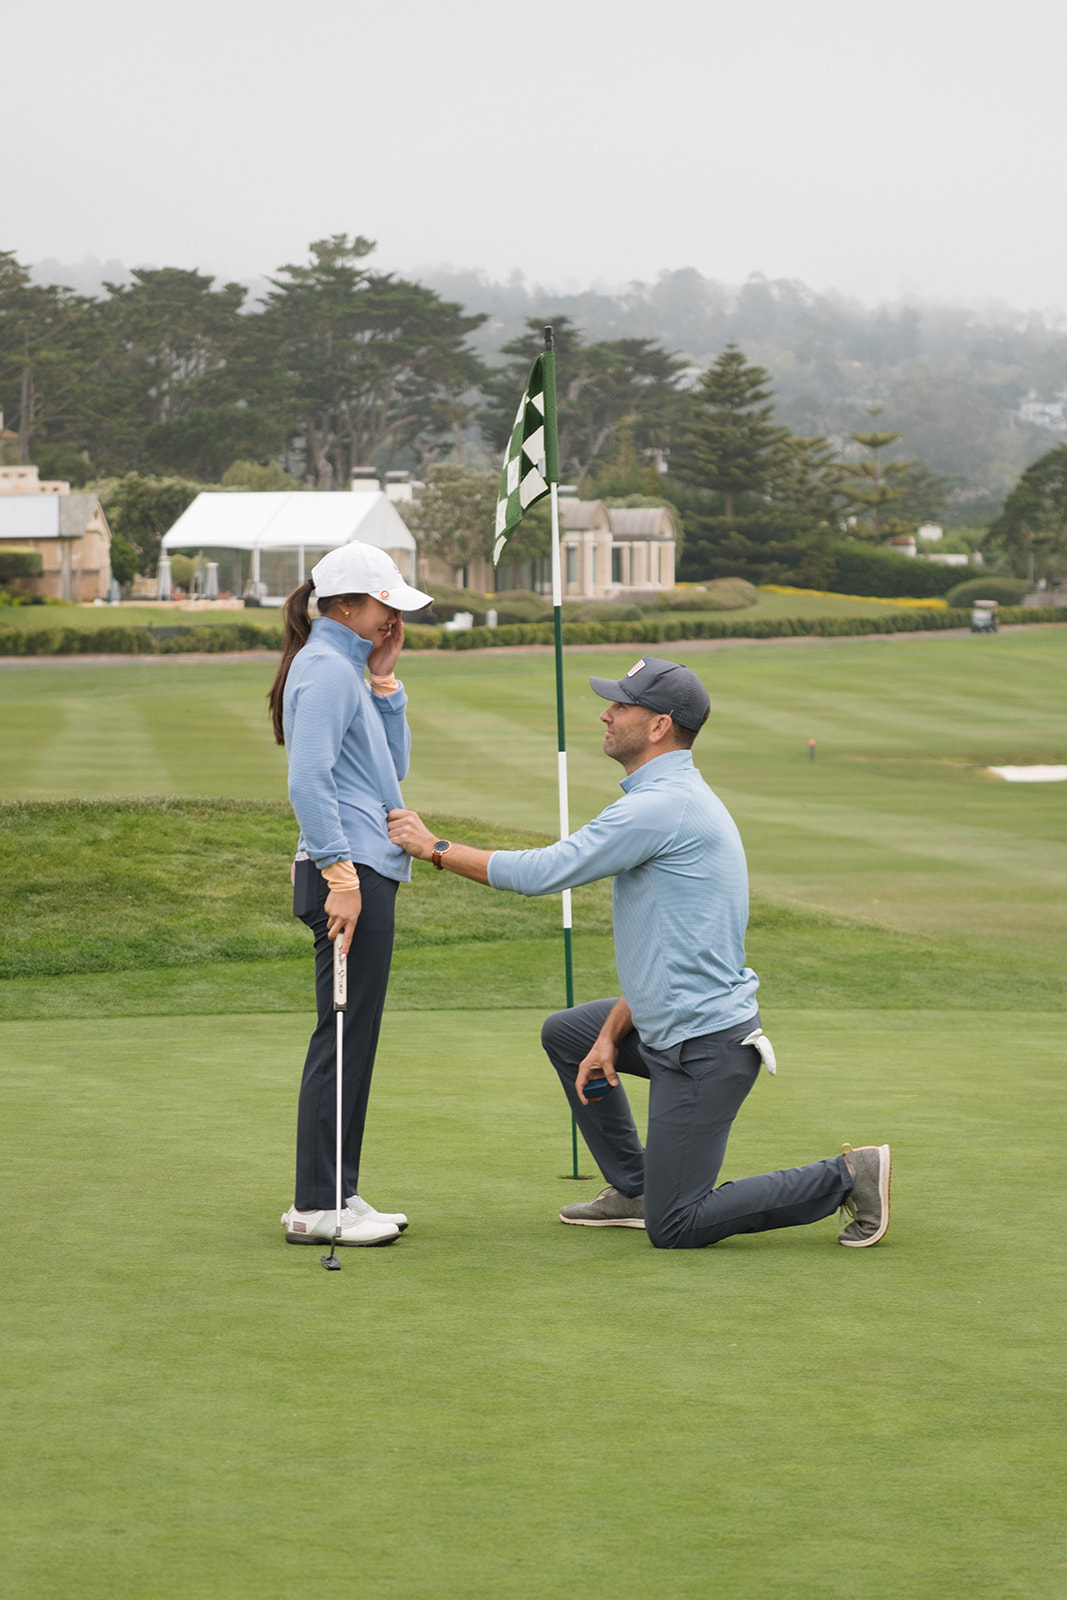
876 488
1032 528
732 445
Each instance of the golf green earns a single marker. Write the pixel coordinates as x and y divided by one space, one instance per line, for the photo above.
498 1405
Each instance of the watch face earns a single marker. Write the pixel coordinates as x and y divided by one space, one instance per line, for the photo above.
441 845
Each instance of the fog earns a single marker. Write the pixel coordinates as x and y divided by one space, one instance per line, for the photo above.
911 151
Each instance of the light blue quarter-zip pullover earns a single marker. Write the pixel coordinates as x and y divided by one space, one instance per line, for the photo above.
348 751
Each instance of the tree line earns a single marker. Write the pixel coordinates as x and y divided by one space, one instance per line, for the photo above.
174 374
172 382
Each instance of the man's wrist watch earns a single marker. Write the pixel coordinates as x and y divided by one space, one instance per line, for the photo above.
440 846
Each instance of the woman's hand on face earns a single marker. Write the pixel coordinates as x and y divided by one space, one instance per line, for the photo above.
383 658
407 829
343 907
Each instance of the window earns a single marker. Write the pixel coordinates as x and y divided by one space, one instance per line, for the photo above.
616 566
572 564
593 567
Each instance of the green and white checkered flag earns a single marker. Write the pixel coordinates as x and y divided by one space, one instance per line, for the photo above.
530 461
531 471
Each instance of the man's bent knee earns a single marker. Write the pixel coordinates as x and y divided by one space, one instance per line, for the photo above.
552 1029
668 1233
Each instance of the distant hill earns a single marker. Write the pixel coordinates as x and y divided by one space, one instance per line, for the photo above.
961 385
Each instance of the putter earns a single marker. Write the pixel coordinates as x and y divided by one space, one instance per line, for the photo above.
340 1006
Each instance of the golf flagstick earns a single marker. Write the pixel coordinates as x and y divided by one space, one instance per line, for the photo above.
530 472
340 1006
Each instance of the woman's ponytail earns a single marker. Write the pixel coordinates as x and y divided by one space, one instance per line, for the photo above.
297 629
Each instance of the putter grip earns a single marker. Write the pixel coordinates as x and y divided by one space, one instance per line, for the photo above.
340 977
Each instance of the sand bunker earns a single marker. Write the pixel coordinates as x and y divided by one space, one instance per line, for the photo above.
1031 774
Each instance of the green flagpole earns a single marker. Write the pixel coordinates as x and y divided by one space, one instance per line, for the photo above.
548 367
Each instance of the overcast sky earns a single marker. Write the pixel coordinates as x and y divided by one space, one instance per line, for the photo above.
912 147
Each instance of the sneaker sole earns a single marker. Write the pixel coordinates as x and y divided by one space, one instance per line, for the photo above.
885 1164
343 1244
608 1222
400 1227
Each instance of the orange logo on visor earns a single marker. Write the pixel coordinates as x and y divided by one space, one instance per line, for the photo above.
384 593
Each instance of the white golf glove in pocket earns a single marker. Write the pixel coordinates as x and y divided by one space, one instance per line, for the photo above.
765 1048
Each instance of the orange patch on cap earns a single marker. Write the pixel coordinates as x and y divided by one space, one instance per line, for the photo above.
384 593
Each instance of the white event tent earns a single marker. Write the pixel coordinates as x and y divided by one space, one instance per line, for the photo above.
284 534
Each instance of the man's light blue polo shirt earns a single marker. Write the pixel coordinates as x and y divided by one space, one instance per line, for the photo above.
679 899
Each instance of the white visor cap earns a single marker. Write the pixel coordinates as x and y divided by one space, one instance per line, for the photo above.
364 569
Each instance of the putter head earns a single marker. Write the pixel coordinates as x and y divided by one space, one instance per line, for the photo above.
330 1262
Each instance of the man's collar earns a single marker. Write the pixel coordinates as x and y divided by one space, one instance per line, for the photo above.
664 766
342 639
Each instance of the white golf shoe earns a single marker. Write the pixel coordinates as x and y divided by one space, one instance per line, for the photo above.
361 1208
319 1227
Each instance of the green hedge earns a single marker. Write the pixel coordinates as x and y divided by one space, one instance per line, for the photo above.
873 570
130 641
774 547
1006 591
15 564
659 630
656 630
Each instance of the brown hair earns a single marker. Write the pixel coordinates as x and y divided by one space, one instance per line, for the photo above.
684 737
297 628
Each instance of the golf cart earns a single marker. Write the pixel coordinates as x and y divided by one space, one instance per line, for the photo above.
984 616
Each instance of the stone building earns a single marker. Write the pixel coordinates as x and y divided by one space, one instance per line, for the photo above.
606 552
68 531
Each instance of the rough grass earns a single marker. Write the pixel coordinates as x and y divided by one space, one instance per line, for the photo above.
120 894
97 886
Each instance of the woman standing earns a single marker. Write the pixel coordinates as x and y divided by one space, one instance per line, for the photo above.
348 744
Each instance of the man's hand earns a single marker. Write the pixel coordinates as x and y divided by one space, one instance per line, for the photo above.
599 1063
407 829
343 907
383 658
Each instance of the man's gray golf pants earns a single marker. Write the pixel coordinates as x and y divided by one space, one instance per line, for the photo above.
696 1090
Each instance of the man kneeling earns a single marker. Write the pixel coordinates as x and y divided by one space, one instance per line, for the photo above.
687 1019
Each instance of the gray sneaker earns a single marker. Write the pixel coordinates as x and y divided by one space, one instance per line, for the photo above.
868 1203
610 1209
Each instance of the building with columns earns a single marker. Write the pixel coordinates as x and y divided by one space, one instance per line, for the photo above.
606 552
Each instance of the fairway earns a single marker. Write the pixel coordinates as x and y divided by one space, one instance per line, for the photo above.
895 821
129 614
498 1406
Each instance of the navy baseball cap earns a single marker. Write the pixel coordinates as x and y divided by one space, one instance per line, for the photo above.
659 686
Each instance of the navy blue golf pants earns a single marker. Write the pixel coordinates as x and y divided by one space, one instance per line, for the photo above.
368 977
695 1091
